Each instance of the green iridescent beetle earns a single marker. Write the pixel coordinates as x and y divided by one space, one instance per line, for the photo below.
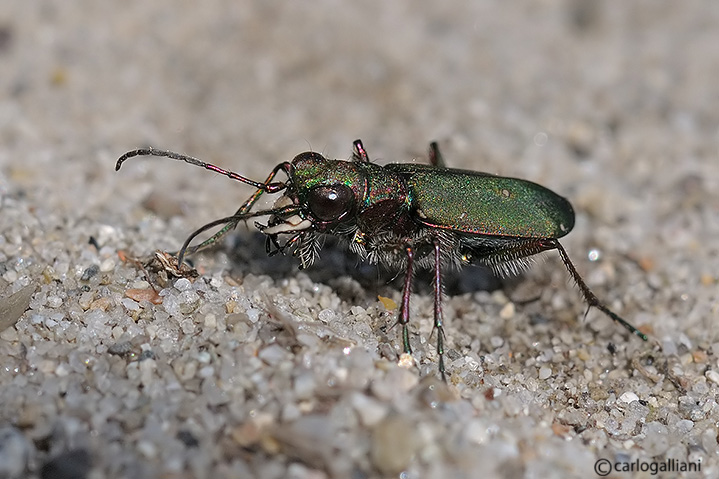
403 215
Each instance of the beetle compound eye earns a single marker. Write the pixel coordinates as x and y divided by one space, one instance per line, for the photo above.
329 203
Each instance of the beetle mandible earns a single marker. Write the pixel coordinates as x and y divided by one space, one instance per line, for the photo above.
404 216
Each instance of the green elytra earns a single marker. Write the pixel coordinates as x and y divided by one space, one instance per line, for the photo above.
401 215
480 203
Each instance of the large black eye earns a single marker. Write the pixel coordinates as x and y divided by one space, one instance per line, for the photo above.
329 203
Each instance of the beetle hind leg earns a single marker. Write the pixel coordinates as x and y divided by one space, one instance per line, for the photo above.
589 296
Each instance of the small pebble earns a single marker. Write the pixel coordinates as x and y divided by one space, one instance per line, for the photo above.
183 284
396 383
101 303
583 354
507 311
14 305
86 299
272 355
89 272
130 304
388 303
210 321
14 453
304 385
107 265
10 276
393 445
545 372
628 397
712 376
62 370
106 234
476 431
699 356
120 348
684 426
147 449
187 438
370 411
656 438
204 357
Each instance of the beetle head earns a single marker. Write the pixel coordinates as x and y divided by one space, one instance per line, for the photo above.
322 196
326 194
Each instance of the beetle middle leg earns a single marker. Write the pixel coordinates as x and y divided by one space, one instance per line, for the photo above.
435 157
403 317
438 324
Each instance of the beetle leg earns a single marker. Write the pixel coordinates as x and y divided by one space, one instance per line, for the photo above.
435 157
290 243
272 247
589 296
359 154
403 317
244 209
214 238
438 325
247 206
230 220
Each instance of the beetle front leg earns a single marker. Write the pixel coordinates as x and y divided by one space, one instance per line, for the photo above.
267 186
438 324
403 317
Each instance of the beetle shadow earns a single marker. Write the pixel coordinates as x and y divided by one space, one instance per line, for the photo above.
342 270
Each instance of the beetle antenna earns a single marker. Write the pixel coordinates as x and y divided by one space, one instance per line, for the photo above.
590 297
266 187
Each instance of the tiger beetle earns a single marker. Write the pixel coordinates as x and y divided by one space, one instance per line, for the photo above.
403 215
